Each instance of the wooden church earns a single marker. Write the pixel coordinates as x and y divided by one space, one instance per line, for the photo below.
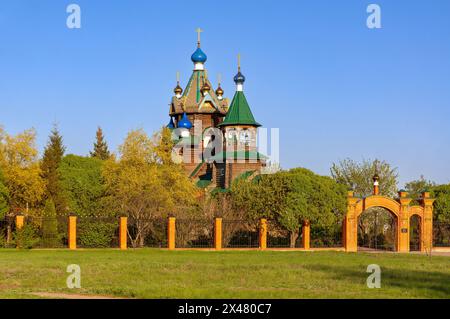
216 140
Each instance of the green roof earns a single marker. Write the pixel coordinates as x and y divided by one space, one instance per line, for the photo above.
239 112
196 169
245 175
254 155
203 183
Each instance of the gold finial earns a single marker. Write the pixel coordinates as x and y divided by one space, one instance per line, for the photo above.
219 90
198 36
239 62
205 86
178 90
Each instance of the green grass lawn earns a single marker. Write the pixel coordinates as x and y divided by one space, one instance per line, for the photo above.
151 273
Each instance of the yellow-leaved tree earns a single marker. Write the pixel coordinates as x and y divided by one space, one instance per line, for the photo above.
21 170
143 183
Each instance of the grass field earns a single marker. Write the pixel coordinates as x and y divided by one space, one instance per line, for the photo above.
151 273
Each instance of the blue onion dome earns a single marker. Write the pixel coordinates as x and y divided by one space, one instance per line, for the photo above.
171 124
184 122
239 78
198 56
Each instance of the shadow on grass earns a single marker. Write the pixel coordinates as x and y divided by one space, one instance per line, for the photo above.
437 284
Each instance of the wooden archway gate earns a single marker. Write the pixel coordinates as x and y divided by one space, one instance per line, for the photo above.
401 209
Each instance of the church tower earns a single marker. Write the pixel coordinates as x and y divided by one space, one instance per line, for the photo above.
239 129
197 103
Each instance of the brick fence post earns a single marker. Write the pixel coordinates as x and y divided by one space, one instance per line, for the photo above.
218 233
263 234
306 234
171 233
72 232
123 232
19 221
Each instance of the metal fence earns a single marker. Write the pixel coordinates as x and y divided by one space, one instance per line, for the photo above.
194 233
240 234
97 232
103 232
414 233
378 238
441 234
46 232
327 237
279 237
147 232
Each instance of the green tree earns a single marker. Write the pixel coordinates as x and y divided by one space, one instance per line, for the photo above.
53 154
296 211
25 237
317 199
442 203
100 146
416 187
292 197
83 185
264 196
358 176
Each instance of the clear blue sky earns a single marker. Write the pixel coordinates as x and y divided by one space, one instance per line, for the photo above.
335 88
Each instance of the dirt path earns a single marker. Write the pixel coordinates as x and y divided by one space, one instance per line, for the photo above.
57 295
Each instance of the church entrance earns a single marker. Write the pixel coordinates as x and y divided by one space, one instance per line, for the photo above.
415 233
377 230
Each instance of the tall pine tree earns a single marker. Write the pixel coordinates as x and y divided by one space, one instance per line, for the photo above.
53 154
100 146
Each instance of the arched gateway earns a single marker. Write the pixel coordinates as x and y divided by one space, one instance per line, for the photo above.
400 208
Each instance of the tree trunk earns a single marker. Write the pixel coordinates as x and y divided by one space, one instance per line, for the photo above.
293 238
139 234
8 234
141 241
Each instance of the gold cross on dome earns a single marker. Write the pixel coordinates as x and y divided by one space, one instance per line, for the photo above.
198 35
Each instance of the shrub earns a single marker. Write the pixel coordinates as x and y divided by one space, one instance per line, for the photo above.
96 235
26 237
50 236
